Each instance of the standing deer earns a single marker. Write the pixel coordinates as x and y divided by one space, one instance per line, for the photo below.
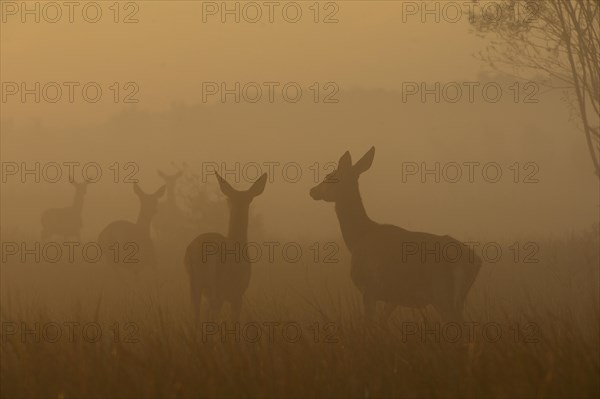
65 222
391 264
215 264
124 242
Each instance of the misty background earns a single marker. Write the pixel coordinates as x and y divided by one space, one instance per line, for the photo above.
366 60
369 54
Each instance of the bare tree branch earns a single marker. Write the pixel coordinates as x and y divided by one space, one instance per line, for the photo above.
562 42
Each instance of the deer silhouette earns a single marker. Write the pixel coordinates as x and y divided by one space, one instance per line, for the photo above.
391 264
216 265
65 222
127 243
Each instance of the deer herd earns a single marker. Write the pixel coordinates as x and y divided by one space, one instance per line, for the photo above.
380 266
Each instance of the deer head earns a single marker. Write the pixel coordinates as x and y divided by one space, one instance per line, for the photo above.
170 180
344 180
239 204
148 202
241 198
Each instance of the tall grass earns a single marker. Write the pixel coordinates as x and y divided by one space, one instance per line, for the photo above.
547 312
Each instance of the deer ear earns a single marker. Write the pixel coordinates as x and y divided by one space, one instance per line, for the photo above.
160 192
225 187
365 162
138 191
345 161
258 187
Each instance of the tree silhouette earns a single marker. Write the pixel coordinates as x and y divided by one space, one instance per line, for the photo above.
560 39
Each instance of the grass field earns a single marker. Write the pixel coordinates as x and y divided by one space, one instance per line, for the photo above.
546 312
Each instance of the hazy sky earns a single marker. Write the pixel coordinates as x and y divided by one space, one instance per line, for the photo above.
375 46
170 51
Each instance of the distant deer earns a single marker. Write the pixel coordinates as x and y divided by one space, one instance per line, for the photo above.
128 243
216 265
393 265
65 222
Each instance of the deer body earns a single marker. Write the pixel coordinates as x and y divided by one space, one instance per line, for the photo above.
65 222
383 272
213 276
128 243
394 265
216 265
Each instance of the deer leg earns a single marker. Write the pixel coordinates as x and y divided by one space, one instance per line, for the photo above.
236 309
450 313
388 309
196 297
457 313
211 311
369 304
214 309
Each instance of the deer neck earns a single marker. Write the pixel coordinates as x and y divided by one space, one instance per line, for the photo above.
238 224
144 219
353 218
170 194
78 201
